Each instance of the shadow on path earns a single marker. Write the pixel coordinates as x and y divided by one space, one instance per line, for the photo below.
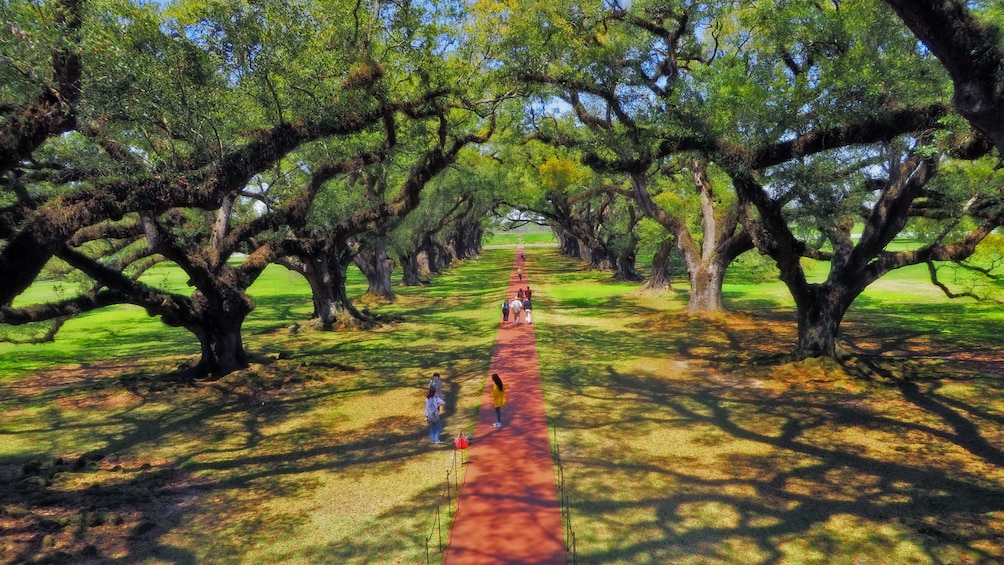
508 510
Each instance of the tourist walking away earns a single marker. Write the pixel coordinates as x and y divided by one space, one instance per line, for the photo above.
515 308
505 310
432 404
519 273
527 306
498 399
529 292
520 295
437 384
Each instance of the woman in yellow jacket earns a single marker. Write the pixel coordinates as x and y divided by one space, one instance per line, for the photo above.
498 399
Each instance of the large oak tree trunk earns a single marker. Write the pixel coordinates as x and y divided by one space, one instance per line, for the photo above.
410 270
466 239
626 264
707 259
218 320
706 278
569 245
327 289
659 277
820 313
422 260
377 267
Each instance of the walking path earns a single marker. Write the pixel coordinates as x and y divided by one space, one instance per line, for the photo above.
508 510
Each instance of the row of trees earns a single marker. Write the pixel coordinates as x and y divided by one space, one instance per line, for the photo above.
784 126
273 132
225 136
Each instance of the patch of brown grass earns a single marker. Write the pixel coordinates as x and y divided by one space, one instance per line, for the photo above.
698 439
66 508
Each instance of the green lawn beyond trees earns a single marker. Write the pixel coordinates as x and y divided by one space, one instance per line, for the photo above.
681 438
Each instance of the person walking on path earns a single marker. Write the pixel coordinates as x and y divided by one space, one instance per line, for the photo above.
432 404
519 273
508 511
498 398
528 292
437 384
527 306
505 310
520 295
515 308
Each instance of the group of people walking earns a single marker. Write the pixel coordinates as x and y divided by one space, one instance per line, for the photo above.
434 404
520 306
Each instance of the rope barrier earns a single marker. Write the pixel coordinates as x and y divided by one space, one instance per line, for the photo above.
564 501
452 487
450 491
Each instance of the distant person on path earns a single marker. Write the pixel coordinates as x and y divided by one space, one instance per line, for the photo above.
498 399
432 404
516 307
520 294
437 384
528 292
527 306
519 272
505 310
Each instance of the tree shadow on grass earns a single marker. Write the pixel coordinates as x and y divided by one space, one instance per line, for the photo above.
748 476
112 507
752 459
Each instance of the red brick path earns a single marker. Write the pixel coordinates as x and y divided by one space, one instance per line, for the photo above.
508 510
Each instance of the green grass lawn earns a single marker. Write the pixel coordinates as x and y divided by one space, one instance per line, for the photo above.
317 454
688 439
683 439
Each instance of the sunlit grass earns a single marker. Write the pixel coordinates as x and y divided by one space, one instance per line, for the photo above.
689 439
683 439
317 454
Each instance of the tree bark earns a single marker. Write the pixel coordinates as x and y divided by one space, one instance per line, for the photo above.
706 287
377 267
708 259
819 319
568 245
853 266
659 277
222 347
971 53
410 270
326 277
628 254
466 239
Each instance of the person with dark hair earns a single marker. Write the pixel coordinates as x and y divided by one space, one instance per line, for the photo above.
432 404
505 310
498 399
527 309
437 384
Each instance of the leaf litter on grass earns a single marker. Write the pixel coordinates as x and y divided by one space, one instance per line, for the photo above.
697 439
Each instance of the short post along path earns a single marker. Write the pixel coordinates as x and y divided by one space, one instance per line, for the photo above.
508 511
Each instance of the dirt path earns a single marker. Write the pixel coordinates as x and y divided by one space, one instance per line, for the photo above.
508 509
